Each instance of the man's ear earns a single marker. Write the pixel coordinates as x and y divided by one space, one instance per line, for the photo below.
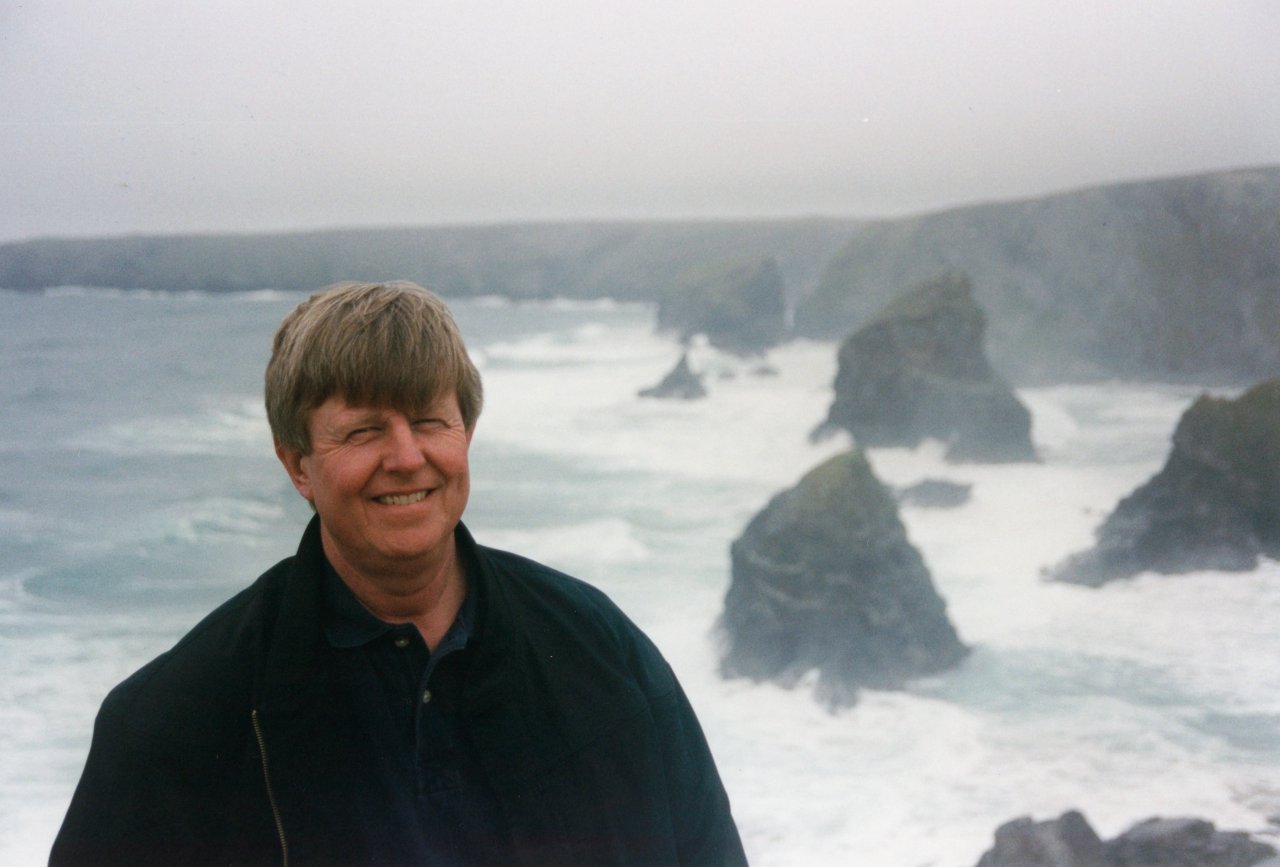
295 465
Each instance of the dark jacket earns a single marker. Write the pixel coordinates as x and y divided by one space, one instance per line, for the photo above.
233 747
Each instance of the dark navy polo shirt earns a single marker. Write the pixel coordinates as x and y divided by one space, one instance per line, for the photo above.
407 699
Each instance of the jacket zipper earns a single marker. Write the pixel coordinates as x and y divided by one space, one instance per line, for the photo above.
271 795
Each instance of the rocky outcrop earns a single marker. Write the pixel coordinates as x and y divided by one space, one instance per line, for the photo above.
1069 841
1176 279
825 578
1214 505
681 383
739 305
919 370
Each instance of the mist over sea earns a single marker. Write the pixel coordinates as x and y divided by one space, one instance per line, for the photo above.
138 489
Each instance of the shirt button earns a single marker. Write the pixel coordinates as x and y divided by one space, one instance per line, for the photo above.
426 696
402 641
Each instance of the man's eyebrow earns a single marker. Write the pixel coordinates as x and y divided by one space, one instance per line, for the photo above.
357 417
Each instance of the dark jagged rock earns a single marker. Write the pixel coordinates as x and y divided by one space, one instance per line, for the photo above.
1069 841
739 305
1214 505
825 578
935 494
918 371
681 383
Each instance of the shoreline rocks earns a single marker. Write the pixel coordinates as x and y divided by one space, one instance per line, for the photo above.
1069 841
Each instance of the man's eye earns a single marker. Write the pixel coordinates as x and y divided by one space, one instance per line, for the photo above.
360 433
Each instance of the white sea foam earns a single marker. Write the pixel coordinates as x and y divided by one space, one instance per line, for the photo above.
613 541
238 427
1073 698
748 426
169 296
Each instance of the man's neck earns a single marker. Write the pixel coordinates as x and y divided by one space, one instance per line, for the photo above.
429 597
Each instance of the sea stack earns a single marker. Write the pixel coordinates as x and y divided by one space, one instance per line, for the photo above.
740 305
1214 506
918 370
681 383
825 578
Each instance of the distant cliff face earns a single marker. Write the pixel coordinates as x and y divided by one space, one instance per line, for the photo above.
1214 505
1170 279
1174 279
919 370
824 578
627 261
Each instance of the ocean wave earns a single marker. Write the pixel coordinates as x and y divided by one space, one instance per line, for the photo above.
574 547
139 294
590 345
218 430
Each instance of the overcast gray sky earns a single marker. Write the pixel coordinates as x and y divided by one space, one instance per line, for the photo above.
124 116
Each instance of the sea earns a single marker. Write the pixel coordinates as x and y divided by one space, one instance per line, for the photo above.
138 489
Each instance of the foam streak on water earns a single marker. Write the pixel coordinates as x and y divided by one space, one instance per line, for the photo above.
136 492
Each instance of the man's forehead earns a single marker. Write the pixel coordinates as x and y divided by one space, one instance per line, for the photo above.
338 407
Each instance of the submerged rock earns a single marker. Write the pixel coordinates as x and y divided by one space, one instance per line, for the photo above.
681 383
824 578
918 370
1184 842
740 305
1214 505
935 494
1069 841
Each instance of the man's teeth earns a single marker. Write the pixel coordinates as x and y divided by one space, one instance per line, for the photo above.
402 499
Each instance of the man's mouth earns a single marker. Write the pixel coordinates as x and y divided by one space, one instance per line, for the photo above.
402 499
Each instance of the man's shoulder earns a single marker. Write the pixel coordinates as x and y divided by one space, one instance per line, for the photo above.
185 693
557 612
539 589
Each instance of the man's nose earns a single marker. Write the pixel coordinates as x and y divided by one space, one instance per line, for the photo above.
403 452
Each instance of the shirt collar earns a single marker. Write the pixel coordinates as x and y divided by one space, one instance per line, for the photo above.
347 623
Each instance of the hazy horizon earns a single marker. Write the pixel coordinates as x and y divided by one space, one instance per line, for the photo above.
145 118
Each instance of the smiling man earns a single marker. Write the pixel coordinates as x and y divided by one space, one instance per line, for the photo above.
396 693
